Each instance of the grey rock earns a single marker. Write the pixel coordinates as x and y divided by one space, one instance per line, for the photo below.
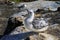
40 5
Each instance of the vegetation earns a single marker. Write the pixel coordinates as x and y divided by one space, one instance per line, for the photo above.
30 0
22 0
17 0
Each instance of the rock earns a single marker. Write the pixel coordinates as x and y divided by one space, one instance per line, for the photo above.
40 5
3 24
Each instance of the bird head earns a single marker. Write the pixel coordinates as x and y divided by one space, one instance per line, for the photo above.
30 11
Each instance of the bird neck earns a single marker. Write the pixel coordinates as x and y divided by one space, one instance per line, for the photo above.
30 17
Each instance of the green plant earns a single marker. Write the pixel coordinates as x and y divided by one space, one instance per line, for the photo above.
16 0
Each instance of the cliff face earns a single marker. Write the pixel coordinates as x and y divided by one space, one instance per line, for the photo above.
3 24
7 11
4 16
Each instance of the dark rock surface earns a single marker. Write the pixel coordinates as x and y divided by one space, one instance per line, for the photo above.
18 36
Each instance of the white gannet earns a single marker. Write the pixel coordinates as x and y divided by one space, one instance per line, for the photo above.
28 22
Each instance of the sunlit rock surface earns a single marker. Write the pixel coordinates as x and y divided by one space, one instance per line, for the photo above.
41 5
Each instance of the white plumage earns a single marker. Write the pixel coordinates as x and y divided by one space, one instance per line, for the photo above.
42 22
28 22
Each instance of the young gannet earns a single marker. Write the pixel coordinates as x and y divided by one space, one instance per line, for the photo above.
28 22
